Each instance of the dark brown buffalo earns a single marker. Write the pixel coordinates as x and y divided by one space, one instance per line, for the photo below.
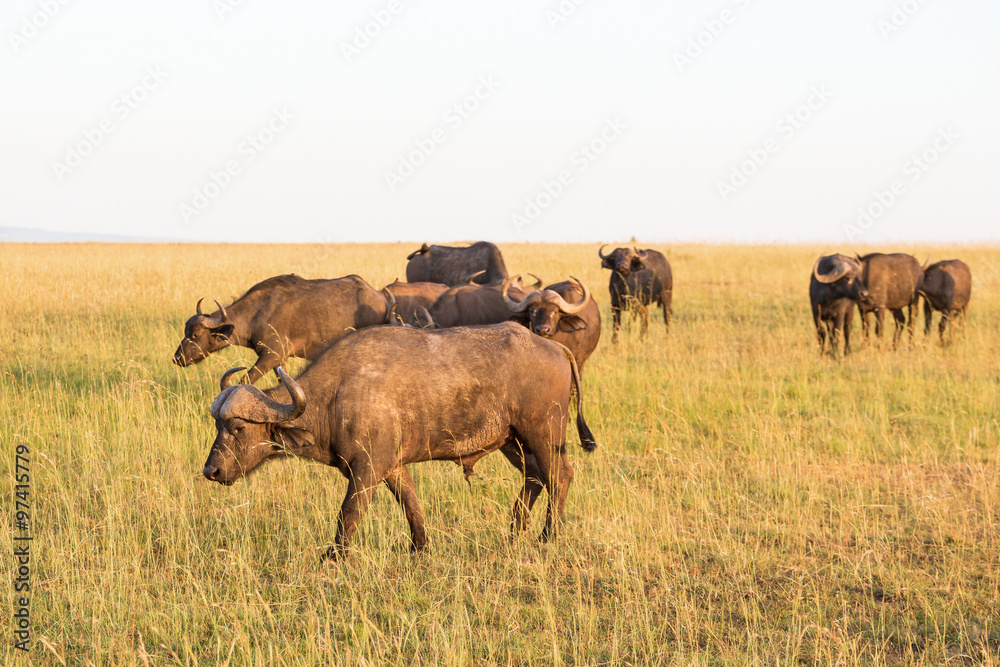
281 317
453 266
468 305
386 397
835 287
639 278
564 312
409 297
893 283
947 288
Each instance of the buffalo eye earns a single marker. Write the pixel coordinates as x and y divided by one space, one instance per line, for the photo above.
235 428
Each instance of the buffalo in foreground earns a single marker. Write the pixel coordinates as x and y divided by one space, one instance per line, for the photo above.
564 312
639 278
386 397
452 266
834 288
893 283
281 317
947 288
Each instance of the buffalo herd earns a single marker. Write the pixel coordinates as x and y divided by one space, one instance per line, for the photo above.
461 360
879 282
464 359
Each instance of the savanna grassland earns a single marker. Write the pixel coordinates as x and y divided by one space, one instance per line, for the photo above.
750 501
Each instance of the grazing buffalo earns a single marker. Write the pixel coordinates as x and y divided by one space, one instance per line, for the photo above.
947 288
639 278
281 317
386 397
564 312
893 283
453 266
468 305
834 288
409 297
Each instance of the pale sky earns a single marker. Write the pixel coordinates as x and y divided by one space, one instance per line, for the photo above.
524 120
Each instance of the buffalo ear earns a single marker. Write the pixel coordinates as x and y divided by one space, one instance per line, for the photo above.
571 323
223 331
293 437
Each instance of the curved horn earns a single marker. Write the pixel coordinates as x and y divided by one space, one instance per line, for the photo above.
224 382
538 281
222 309
513 306
927 262
197 307
390 303
574 308
289 412
424 318
841 270
392 318
471 278
600 252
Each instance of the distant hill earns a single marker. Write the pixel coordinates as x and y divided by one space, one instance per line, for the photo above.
24 235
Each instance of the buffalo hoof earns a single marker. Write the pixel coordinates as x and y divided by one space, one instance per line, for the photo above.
334 554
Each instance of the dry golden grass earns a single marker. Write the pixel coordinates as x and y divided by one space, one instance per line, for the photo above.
750 502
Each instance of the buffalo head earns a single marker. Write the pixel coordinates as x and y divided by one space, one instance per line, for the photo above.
546 311
843 272
203 335
623 260
252 427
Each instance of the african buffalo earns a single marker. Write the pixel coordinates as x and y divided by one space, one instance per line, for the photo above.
281 317
893 283
834 288
564 312
947 287
452 266
411 296
386 397
639 278
468 305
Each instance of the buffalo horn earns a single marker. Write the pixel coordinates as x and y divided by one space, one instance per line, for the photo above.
471 278
600 252
197 307
224 382
222 309
574 308
839 272
287 413
514 306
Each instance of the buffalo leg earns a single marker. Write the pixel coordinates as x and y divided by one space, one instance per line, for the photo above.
848 318
879 321
645 320
928 315
558 478
401 484
616 317
914 306
820 327
945 318
899 323
526 463
668 312
360 489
